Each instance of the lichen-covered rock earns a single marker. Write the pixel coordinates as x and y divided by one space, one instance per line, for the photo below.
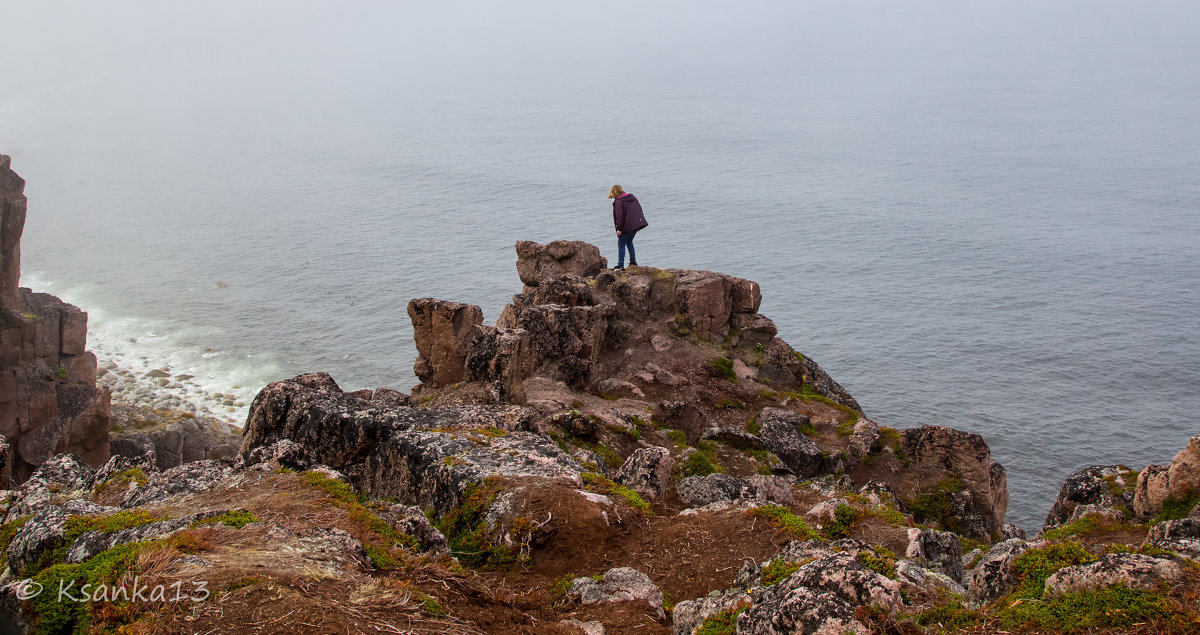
66 471
501 358
118 464
864 440
1158 482
443 332
412 521
689 615
985 483
1010 531
185 479
44 530
557 332
1133 570
682 416
820 596
780 433
284 453
537 262
880 493
91 543
647 471
698 491
775 489
1172 529
937 551
622 584
993 576
63 476
734 438
915 575
1110 486
750 575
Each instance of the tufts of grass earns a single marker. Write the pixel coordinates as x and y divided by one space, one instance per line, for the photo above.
950 617
783 519
723 623
1034 566
355 504
936 507
1176 507
753 426
236 518
1116 607
467 533
881 560
723 367
122 479
697 464
845 518
602 485
778 570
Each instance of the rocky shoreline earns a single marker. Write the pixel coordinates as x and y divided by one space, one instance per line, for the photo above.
162 388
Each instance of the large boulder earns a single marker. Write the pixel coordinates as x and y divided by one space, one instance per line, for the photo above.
993 576
1180 479
967 456
1133 570
501 358
647 471
173 437
1103 486
780 433
536 262
937 551
443 332
622 584
822 596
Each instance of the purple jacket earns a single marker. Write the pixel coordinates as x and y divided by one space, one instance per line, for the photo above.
627 214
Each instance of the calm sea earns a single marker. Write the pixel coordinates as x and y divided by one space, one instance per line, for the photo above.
984 215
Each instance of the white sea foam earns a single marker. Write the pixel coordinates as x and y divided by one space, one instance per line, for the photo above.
218 383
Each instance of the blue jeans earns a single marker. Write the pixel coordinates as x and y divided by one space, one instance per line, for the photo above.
623 241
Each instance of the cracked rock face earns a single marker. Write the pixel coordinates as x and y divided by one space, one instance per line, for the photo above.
185 479
993 576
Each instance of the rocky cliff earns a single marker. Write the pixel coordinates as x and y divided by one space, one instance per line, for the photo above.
49 402
622 452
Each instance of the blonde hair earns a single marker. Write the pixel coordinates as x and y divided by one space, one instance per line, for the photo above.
616 191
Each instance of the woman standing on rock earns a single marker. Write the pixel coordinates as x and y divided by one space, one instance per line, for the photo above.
628 218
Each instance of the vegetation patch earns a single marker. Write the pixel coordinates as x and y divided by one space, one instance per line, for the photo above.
807 393
778 570
781 518
753 426
107 610
951 616
466 532
1177 507
697 464
1034 566
7 532
845 517
881 560
236 518
730 404
122 479
678 436
602 485
723 367
383 536
936 507
723 623
1116 607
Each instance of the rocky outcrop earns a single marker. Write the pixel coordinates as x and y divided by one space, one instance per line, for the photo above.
49 403
993 576
780 433
1133 570
1100 486
937 551
622 584
443 332
821 596
700 491
647 471
173 437
1156 483
536 262
983 499
416 456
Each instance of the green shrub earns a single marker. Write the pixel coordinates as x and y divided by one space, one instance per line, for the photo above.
601 484
697 465
678 436
844 519
1177 507
53 616
236 518
466 532
936 508
1034 566
777 570
723 623
1085 525
781 518
951 616
723 367
880 560
1116 607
